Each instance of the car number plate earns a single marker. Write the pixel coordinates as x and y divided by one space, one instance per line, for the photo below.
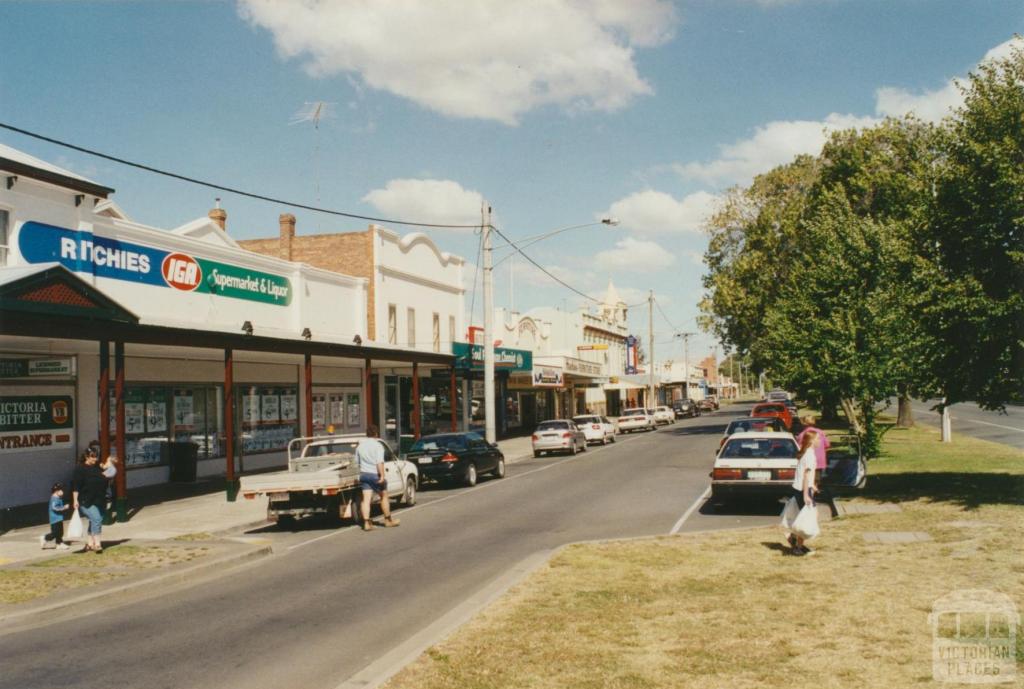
278 497
426 460
759 475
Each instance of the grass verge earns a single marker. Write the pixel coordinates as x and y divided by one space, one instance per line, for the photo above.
733 609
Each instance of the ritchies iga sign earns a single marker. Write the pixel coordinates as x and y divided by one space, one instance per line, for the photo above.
84 252
39 422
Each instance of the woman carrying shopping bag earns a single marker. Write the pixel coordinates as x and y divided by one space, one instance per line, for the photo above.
805 525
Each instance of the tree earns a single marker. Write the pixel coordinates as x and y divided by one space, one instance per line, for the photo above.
975 293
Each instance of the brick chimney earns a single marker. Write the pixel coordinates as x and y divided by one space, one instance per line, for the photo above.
287 222
219 216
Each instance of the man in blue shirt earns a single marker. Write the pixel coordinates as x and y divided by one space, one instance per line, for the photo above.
57 510
372 478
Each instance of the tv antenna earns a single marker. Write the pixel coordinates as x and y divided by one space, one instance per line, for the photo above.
314 111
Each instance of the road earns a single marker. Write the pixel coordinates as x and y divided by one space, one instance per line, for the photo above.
971 420
331 601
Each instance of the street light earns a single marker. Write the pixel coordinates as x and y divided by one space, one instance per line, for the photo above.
488 251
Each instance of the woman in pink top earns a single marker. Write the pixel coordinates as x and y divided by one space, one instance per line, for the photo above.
820 448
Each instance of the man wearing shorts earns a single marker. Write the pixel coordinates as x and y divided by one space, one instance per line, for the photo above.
370 456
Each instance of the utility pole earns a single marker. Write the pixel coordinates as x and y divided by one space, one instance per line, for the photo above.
732 374
650 340
489 421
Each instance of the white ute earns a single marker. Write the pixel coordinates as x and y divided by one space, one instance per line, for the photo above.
323 478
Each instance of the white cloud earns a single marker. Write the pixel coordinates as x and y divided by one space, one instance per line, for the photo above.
634 255
771 145
491 60
651 212
933 105
427 200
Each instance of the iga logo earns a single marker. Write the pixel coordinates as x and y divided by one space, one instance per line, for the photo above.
181 272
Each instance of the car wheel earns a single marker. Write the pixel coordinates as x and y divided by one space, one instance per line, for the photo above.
537 453
604 439
469 478
409 497
499 471
573 450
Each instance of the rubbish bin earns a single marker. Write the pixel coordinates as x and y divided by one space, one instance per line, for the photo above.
182 458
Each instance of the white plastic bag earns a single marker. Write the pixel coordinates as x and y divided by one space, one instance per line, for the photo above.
806 523
73 530
789 514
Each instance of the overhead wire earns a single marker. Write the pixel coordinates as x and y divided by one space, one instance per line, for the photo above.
542 269
225 188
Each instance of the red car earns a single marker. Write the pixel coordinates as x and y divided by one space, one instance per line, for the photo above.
776 410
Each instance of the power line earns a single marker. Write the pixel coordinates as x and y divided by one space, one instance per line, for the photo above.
476 274
670 324
542 269
221 187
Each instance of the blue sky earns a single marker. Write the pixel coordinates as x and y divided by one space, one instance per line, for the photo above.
558 112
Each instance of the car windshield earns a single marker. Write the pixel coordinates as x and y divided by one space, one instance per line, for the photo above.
553 426
747 425
440 442
586 419
769 409
634 412
345 448
761 448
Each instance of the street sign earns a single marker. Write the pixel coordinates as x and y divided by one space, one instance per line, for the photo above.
591 347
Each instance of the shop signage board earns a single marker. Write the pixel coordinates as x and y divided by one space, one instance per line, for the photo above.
27 368
547 377
85 252
591 347
36 422
631 356
471 357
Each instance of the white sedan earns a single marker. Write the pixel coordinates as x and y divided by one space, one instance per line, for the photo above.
664 415
636 419
597 429
754 463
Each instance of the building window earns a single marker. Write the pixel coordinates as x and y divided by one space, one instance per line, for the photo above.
410 315
270 417
392 324
5 218
437 332
451 329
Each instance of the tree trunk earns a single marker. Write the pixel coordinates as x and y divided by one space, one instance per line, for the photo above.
905 417
851 416
829 409
947 422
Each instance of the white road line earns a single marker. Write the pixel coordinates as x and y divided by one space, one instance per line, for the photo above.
965 420
688 512
482 486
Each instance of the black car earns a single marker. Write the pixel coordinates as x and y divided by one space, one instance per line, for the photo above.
685 408
456 457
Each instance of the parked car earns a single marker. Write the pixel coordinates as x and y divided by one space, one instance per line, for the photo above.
706 405
715 402
664 415
636 419
456 457
847 470
685 408
752 425
560 435
773 409
597 429
776 396
754 464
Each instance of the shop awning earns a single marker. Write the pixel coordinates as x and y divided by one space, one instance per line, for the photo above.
623 386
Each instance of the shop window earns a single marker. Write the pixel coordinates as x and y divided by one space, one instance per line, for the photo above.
410 315
270 417
146 423
392 324
199 418
5 219
437 332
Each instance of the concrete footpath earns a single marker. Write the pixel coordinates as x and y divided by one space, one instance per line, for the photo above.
174 534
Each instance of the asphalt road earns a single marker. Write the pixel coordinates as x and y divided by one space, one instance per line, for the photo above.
331 601
971 420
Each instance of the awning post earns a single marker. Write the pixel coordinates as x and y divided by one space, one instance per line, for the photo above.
121 480
104 387
231 484
416 425
308 401
368 394
453 398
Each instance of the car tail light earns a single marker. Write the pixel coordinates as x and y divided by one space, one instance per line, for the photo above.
727 474
595 427
534 437
449 457
567 435
785 474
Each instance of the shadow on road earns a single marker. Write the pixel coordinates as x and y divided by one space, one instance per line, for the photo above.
703 429
762 507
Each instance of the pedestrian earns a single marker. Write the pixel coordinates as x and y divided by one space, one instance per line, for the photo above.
372 478
820 449
57 508
89 492
803 486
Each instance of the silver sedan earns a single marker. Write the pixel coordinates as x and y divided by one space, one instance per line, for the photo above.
559 435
